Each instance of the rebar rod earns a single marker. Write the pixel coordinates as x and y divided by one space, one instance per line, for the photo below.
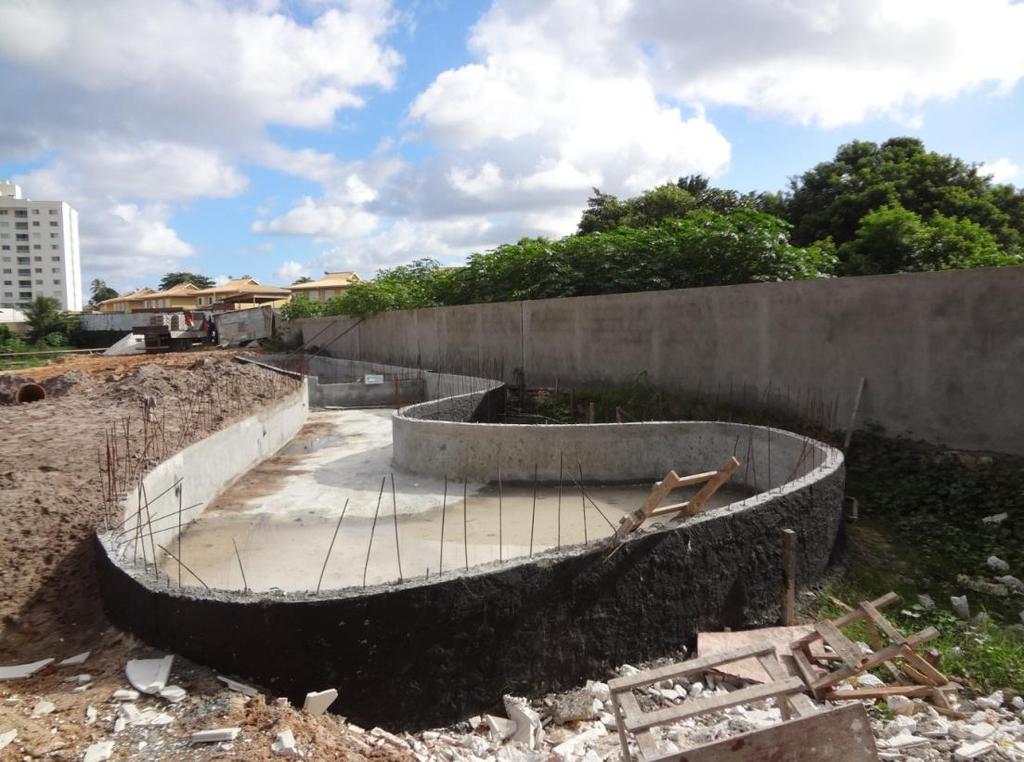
373 528
500 559
165 550
245 582
444 507
331 547
559 533
533 518
394 510
583 503
465 520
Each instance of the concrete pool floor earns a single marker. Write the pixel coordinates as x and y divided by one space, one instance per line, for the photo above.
282 515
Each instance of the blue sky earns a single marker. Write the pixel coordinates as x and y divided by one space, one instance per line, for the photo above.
280 139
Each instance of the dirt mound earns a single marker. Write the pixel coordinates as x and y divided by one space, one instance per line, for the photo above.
60 385
9 385
52 477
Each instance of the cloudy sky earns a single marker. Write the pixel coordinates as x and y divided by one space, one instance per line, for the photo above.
280 138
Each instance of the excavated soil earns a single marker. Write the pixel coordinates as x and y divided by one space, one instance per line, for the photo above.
53 474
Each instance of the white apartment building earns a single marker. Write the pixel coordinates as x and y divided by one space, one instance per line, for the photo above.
38 250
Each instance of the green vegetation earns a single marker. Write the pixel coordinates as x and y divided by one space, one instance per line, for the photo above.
173 279
49 328
875 208
100 291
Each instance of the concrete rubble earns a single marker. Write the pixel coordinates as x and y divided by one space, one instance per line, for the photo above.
317 702
149 675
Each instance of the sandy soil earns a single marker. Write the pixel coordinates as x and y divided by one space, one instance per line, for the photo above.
52 483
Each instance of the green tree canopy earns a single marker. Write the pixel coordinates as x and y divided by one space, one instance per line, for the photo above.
101 291
832 200
44 318
173 279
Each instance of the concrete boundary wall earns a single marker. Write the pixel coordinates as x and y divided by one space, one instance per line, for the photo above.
943 353
204 469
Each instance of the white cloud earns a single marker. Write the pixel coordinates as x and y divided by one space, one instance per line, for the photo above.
148 106
290 271
486 181
319 220
1001 170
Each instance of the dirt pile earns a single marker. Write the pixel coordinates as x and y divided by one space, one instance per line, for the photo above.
9 385
52 481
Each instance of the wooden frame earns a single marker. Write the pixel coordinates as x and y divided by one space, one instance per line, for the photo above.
712 481
629 718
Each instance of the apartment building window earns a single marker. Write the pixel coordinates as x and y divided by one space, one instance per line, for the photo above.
23 249
7 271
24 294
37 246
56 281
55 269
53 211
35 211
38 259
8 283
5 235
25 271
23 260
4 224
24 284
35 223
53 235
54 223
21 226
20 213
8 294
21 236
3 212
53 247
5 247
39 283
39 269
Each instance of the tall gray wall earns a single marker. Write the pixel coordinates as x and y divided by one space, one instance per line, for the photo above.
943 353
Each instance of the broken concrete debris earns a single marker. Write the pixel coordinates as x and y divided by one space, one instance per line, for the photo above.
99 752
960 606
237 686
317 702
7 737
125 694
996 564
216 735
149 675
173 693
529 730
23 671
284 744
42 708
74 661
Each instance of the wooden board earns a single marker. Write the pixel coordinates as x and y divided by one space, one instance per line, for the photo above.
838 734
709 643
671 671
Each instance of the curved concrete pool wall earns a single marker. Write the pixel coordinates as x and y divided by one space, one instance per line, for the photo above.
422 653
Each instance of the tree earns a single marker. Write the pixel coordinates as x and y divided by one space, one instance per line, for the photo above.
604 212
173 279
101 291
44 317
301 306
303 279
831 200
893 239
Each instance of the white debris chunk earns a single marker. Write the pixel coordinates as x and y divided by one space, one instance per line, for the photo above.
904 741
992 701
973 750
74 661
996 564
173 693
215 735
926 601
43 707
7 738
125 694
317 702
80 679
979 731
1018 702
500 728
234 685
149 675
960 606
99 752
900 705
574 746
21 671
529 730
867 680
284 745
1013 584
996 518
599 690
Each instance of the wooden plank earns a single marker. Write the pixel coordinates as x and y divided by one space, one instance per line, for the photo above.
798 703
748 669
881 622
843 733
879 657
788 577
851 617
714 703
648 748
919 664
674 508
670 671
804 667
712 486
851 694
841 644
